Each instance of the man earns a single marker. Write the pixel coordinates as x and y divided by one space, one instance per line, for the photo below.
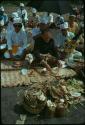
56 28
64 35
44 46
3 39
37 29
3 15
73 25
10 26
22 13
61 38
17 40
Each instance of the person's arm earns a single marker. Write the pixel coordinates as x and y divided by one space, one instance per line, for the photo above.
53 48
9 41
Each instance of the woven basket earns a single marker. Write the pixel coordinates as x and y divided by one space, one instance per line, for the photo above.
34 106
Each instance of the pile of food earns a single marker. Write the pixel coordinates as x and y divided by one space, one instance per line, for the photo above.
54 98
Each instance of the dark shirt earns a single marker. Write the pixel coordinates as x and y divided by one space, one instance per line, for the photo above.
43 47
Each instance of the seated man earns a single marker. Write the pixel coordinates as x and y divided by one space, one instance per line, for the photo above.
34 18
68 41
3 39
44 44
61 37
10 26
3 15
73 25
17 40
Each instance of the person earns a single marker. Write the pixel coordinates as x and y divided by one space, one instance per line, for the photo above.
17 40
44 45
51 18
80 41
35 30
3 15
34 18
77 12
56 28
62 36
59 20
39 27
10 26
73 25
3 39
22 13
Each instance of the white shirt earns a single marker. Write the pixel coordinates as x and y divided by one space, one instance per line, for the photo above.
10 27
19 38
60 38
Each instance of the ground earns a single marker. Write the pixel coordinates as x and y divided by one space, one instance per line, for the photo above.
10 111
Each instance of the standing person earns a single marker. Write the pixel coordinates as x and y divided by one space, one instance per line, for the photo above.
17 42
22 13
3 15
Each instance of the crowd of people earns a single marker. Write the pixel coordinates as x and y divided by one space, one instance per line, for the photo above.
40 35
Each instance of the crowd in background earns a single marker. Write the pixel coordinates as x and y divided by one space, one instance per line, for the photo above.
21 34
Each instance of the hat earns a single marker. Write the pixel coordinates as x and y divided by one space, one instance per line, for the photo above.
34 10
44 20
14 15
72 17
1 22
59 20
7 55
64 25
17 20
22 4
1 8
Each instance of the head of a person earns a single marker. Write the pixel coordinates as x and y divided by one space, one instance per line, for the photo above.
64 28
13 15
1 10
17 23
46 35
43 24
34 11
59 20
22 6
72 19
